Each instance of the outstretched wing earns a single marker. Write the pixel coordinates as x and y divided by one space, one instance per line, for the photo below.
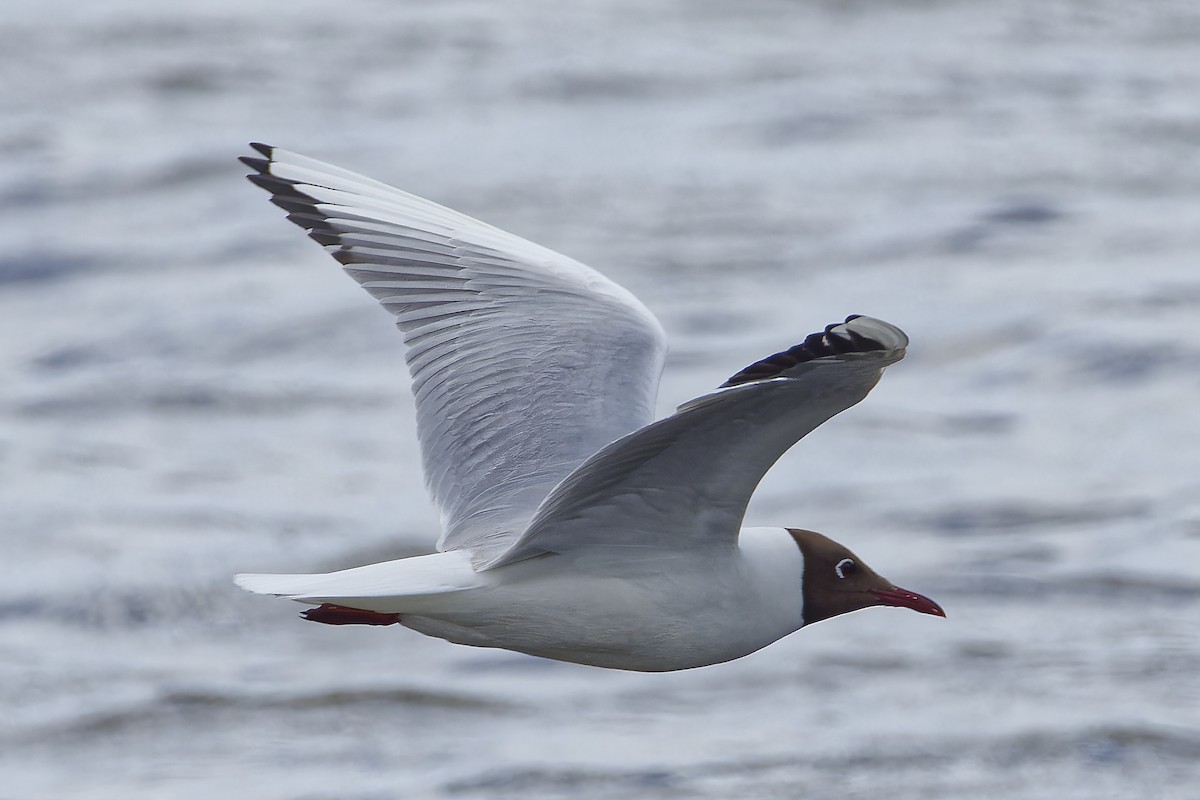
524 362
684 482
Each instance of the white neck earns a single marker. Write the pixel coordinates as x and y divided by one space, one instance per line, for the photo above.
775 565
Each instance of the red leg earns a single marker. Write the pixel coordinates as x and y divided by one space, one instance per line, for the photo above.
332 614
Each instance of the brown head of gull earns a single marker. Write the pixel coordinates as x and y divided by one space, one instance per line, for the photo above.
837 582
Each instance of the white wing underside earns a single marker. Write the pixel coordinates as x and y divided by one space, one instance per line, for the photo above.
523 361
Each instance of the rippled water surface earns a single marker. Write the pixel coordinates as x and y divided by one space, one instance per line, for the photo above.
192 389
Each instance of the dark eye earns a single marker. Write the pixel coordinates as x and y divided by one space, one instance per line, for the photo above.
845 567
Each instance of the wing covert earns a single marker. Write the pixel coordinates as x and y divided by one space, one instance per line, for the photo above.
684 482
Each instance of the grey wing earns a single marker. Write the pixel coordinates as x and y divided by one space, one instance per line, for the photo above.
684 482
523 361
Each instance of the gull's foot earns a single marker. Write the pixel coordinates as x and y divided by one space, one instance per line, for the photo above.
332 614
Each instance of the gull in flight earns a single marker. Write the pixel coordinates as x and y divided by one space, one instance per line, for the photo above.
574 525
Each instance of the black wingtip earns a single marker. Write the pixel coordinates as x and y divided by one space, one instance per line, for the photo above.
296 204
324 238
266 149
310 221
258 164
273 184
831 342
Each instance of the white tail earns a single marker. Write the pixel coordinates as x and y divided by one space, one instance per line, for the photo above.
374 585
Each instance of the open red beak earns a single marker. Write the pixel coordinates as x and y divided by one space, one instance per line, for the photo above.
903 598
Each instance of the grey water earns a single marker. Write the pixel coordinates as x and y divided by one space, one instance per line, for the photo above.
190 388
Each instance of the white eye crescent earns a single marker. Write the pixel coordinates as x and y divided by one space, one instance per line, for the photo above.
845 567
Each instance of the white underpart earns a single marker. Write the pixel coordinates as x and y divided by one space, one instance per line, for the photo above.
658 611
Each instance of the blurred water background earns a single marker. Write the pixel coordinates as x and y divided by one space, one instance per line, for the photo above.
191 388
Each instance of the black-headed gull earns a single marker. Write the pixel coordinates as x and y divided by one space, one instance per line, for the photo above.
574 526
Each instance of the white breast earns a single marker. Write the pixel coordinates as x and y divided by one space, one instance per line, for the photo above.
652 611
